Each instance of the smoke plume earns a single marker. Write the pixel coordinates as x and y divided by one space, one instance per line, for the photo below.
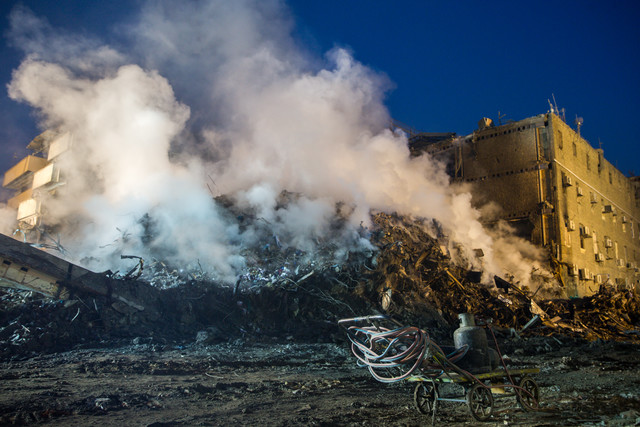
216 98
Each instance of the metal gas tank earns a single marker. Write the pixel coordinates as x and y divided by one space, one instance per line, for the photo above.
479 357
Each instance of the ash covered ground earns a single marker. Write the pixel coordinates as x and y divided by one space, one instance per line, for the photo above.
268 349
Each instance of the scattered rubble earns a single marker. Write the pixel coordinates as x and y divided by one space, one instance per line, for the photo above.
182 325
287 293
609 314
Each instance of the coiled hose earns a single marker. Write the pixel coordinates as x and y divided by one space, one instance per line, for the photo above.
393 355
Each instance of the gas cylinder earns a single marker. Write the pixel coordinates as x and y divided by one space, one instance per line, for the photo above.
479 357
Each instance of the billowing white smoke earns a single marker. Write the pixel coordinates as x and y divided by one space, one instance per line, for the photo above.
119 169
7 220
256 117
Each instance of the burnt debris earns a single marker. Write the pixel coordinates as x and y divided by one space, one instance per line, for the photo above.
285 293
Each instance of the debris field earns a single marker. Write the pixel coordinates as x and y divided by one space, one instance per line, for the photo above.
268 350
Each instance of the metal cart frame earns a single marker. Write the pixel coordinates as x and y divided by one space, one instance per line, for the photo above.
430 368
478 391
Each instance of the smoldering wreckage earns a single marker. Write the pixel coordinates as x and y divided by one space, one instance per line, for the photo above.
156 346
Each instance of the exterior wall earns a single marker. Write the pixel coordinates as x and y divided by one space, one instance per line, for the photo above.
573 201
597 215
504 165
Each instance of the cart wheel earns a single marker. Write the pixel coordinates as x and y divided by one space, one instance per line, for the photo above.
480 402
424 396
528 396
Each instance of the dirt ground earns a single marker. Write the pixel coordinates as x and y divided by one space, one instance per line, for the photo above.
283 383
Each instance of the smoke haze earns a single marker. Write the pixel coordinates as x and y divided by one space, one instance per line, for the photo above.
216 96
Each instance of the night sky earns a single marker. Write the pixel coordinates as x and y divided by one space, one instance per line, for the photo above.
449 63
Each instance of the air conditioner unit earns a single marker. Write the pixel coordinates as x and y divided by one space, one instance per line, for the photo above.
571 225
579 191
600 257
585 232
572 270
599 278
584 274
608 243
567 181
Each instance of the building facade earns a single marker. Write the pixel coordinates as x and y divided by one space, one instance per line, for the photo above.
558 192
34 178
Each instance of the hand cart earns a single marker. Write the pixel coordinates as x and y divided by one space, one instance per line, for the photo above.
407 353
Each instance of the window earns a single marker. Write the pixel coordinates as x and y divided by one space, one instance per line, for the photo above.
575 150
559 138
588 164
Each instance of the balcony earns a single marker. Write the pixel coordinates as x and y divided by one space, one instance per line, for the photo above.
19 176
59 146
45 177
15 201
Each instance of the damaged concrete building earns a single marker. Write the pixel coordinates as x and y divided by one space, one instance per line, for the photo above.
556 190
33 178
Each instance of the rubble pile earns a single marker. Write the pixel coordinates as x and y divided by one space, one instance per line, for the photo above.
415 276
412 278
291 294
609 314
31 323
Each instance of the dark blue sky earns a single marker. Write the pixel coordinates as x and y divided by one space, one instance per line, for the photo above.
451 62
